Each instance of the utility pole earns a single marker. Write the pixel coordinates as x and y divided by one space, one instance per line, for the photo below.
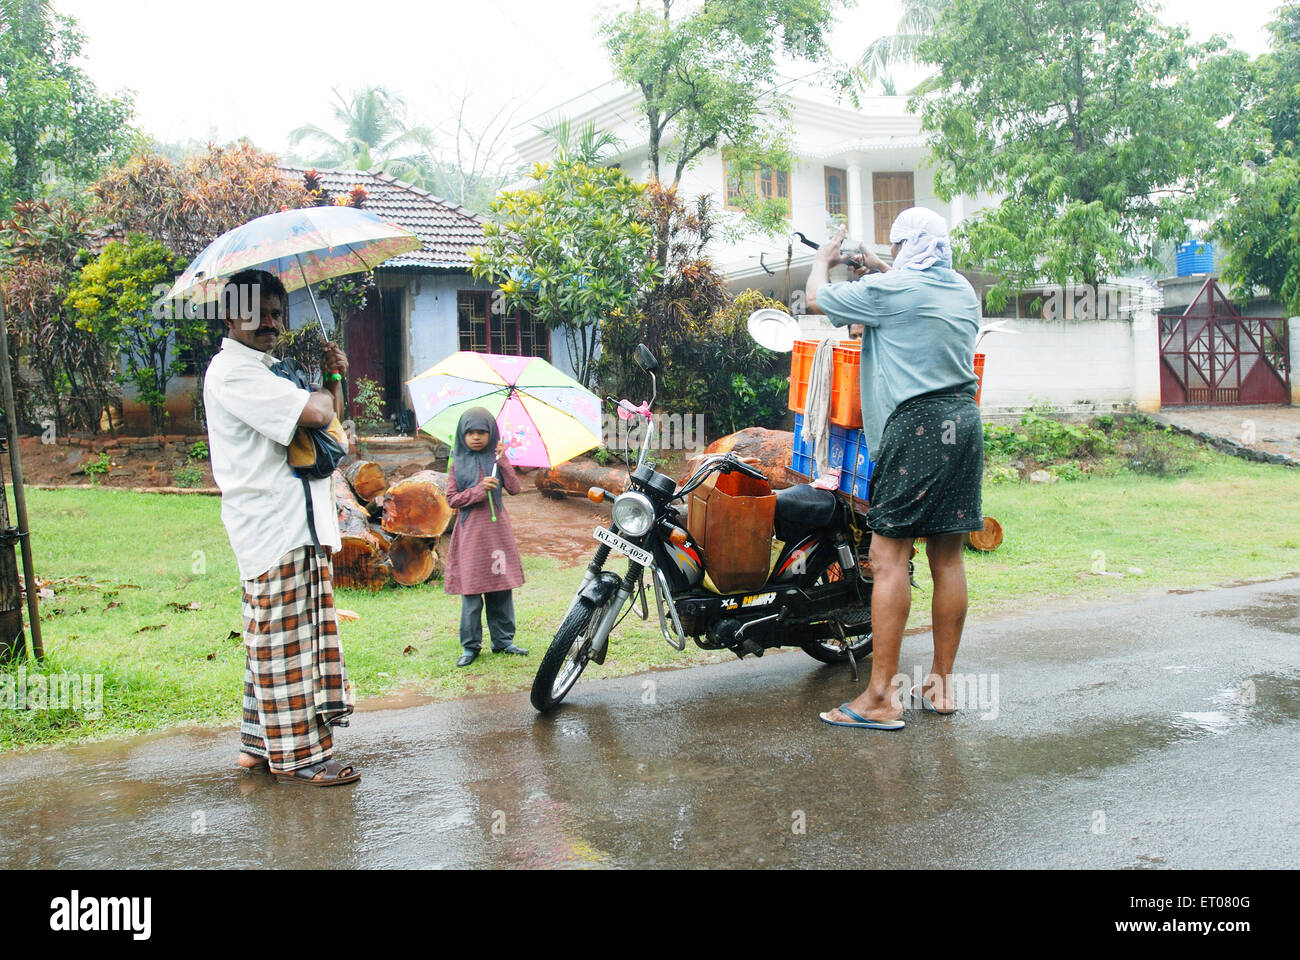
11 617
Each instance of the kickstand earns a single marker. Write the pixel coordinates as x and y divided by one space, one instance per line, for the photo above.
844 642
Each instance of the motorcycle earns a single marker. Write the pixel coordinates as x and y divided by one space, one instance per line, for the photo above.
816 597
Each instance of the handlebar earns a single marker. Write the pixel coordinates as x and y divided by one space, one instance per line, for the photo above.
715 463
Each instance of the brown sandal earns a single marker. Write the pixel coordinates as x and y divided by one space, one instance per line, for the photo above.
258 767
335 774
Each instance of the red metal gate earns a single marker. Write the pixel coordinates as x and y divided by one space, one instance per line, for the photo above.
1211 354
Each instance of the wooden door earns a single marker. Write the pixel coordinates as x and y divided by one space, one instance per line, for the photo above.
891 194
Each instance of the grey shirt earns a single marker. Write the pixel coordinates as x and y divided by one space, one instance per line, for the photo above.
919 336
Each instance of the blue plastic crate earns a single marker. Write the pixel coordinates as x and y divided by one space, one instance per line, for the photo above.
802 453
858 465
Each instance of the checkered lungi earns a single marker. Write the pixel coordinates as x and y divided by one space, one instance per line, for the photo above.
295 682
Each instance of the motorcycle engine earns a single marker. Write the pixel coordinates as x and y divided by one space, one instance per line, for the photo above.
725 633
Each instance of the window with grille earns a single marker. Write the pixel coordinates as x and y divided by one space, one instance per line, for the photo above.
768 183
485 326
836 203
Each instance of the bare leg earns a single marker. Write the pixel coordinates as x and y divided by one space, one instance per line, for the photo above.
891 601
948 615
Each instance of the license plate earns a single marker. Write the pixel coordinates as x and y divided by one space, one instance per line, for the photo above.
607 536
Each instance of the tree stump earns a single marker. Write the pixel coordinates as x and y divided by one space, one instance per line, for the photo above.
770 448
577 476
413 560
986 540
366 479
417 506
362 559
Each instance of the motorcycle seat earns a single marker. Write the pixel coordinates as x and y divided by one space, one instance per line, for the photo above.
801 509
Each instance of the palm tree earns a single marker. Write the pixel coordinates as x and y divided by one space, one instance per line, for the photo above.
916 24
374 133
28 18
589 144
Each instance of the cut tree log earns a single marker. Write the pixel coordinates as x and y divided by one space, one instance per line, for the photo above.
417 506
362 559
986 540
577 476
413 560
770 448
366 479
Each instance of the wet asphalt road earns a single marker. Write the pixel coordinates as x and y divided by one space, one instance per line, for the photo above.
1164 733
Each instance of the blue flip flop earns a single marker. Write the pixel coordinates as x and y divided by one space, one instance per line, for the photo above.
926 704
861 721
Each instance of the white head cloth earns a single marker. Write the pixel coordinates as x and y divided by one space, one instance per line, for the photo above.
924 236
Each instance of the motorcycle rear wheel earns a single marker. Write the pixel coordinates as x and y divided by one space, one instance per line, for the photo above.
566 657
856 626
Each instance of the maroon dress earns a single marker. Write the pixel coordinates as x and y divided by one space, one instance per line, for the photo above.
483 557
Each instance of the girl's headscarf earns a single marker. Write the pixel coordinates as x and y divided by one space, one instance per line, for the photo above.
466 462
924 236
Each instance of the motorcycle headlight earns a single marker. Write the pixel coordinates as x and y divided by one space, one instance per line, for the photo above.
633 513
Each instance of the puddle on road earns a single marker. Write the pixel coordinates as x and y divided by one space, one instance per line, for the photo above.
1279 612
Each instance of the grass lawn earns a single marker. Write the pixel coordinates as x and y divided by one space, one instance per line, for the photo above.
141 562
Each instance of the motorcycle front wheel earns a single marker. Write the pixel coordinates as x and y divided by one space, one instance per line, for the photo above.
566 657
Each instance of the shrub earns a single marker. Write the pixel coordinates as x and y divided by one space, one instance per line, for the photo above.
369 400
188 476
98 468
1157 453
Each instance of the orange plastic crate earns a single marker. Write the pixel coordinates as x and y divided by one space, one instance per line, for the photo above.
846 403
846 396
979 372
801 359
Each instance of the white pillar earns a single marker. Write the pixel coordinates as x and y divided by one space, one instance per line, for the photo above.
958 211
1294 326
853 174
1146 360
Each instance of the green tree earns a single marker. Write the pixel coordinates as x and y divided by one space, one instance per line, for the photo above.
1103 131
570 251
707 74
118 298
56 130
39 261
185 205
1260 229
372 131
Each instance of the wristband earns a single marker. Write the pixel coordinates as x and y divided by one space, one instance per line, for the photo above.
336 376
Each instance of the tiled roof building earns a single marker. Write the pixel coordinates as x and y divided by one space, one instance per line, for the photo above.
448 230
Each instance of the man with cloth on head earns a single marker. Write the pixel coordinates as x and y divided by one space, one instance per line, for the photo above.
920 319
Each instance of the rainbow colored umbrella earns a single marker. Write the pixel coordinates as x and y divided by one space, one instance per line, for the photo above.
545 417
301 247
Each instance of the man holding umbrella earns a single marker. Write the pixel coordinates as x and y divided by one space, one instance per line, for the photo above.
295 685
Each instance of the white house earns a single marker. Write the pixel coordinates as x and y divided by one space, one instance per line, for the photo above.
860 167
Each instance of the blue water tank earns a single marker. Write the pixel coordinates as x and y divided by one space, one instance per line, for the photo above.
1195 256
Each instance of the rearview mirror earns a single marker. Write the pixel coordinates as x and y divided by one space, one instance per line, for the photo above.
645 359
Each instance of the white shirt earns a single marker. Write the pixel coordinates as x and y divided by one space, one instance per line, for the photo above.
252 415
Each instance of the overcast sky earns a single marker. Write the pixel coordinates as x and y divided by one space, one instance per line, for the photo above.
259 68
